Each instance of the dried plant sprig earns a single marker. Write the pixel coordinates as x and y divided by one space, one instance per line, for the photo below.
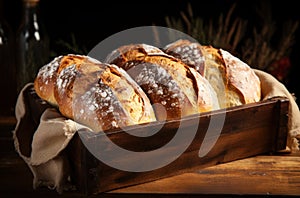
288 35
226 33
259 50
72 46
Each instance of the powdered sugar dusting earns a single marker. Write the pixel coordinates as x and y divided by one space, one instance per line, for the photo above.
190 53
49 70
101 105
159 86
64 79
149 49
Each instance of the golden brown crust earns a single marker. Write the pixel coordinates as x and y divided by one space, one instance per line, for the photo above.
98 95
233 80
46 78
242 77
215 72
105 98
241 84
121 91
168 82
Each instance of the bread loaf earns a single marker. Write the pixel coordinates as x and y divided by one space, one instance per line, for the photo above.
175 89
233 80
140 83
46 78
98 95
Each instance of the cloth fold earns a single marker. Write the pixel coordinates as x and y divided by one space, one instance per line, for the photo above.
42 148
271 88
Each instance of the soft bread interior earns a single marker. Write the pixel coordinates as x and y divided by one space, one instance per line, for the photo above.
215 73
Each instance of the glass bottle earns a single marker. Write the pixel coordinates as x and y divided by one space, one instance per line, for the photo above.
32 44
7 78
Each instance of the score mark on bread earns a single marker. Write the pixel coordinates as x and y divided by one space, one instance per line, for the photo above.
166 80
232 79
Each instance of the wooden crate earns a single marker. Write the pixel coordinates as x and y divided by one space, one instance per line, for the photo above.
247 130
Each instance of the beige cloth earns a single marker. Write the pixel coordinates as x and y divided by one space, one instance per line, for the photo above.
271 87
43 148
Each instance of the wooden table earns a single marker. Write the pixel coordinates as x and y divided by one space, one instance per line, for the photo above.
265 175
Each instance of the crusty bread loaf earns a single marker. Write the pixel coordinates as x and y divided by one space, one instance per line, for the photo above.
46 78
140 83
242 77
175 89
233 80
98 95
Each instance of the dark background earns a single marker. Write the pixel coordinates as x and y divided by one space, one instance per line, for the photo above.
91 21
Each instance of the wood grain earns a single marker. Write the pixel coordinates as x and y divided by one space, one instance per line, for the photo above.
260 175
239 139
263 175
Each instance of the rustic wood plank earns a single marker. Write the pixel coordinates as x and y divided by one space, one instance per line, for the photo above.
7 121
260 175
238 140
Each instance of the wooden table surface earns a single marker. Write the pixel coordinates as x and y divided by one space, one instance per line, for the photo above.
265 175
